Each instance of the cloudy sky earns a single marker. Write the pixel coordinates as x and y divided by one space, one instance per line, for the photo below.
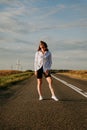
60 23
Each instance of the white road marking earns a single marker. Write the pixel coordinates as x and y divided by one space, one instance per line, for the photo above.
80 91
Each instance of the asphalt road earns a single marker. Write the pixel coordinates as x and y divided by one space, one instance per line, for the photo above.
20 108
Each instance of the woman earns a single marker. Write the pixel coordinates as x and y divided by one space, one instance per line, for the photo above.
42 66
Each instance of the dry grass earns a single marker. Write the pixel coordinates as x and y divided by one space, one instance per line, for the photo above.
9 72
79 74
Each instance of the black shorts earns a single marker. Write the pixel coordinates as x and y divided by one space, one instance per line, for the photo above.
40 73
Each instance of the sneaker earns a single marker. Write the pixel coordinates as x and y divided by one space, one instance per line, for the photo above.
40 98
54 98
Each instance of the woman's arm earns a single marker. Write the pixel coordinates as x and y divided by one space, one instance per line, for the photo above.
36 61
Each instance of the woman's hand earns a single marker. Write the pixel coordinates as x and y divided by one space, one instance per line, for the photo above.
47 72
35 73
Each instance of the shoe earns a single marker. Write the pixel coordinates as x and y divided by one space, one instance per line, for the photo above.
40 98
54 98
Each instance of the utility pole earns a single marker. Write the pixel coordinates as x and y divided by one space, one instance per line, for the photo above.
11 67
18 64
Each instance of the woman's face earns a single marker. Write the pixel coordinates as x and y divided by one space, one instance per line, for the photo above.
43 48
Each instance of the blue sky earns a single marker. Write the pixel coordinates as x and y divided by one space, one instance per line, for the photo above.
60 23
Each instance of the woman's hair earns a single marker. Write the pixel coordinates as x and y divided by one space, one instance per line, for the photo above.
43 44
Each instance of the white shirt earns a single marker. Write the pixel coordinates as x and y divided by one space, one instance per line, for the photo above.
44 60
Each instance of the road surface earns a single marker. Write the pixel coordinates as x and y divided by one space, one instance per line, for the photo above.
20 108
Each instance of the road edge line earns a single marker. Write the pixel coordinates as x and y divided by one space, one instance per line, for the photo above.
80 91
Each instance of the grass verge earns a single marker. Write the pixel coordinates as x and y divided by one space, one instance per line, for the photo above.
9 80
78 74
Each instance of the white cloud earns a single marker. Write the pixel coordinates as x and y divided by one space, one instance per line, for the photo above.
19 19
24 23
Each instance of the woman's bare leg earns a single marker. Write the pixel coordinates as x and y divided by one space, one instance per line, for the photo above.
39 85
49 80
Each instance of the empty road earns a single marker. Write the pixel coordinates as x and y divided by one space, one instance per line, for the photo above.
20 108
